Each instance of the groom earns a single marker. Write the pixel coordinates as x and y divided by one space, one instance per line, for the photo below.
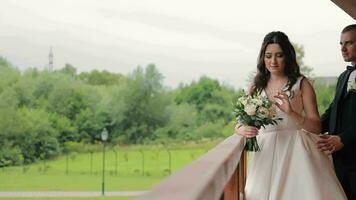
340 118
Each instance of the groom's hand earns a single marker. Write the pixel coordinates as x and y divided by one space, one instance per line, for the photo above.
329 144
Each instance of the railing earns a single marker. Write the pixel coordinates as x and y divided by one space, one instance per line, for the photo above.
218 174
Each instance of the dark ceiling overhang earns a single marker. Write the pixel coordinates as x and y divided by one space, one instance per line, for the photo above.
349 6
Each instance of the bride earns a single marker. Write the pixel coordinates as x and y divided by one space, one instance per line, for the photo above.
289 166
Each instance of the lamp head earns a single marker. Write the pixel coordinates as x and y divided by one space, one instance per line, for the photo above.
104 135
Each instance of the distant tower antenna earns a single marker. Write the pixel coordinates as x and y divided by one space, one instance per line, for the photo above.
50 60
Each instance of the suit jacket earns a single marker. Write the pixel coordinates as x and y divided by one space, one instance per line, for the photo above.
340 119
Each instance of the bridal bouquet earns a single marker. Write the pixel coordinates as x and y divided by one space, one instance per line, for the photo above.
254 110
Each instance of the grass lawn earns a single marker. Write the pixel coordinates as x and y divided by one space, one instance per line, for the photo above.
134 168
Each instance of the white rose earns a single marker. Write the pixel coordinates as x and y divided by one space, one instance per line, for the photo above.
259 102
242 100
250 109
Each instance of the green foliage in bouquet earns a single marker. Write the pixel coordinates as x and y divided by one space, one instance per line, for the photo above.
254 110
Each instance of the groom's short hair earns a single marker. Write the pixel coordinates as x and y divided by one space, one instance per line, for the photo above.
348 28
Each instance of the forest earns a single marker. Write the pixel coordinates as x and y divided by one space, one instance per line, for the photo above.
46 113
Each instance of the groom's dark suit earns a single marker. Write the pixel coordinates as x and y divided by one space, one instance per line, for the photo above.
340 119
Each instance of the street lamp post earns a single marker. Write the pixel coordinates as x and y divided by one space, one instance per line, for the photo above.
104 137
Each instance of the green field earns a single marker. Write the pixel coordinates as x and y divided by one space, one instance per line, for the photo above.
134 168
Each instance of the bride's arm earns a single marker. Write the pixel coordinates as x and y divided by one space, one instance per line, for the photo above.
311 120
246 131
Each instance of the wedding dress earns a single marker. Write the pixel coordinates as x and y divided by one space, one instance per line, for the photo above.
289 165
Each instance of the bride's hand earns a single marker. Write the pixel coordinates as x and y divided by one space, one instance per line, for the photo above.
285 105
246 131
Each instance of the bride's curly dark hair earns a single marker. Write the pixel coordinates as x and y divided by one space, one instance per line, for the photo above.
291 70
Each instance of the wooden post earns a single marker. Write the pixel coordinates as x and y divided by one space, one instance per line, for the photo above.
234 189
231 191
242 175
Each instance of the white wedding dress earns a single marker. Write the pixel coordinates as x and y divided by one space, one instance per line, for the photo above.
289 165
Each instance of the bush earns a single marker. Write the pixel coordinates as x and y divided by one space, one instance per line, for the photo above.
10 156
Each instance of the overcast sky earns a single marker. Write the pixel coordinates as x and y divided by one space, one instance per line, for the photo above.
184 38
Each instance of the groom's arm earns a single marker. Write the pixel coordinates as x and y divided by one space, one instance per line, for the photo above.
331 143
349 135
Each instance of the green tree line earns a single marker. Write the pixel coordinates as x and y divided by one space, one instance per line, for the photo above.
43 113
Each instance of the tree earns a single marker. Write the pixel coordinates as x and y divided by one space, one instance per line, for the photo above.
69 69
152 80
64 128
324 95
66 99
104 77
300 53
36 137
90 125
24 90
8 74
199 93
10 153
182 120
140 104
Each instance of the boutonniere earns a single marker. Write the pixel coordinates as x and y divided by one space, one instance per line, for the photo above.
351 86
